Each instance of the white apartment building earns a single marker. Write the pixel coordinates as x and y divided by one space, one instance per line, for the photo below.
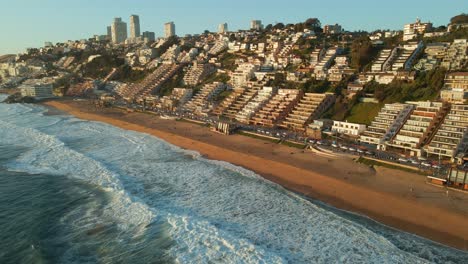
386 124
411 31
118 31
243 74
452 136
350 129
419 127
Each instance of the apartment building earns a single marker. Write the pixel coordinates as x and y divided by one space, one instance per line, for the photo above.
412 30
277 107
419 128
406 56
201 101
386 124
321 68
332 29
178 97
253 102
384 60
118 30
309 107
347 128
452 136
222 28
197 72
455 88
151 83
229 101
218 47
243 74
169 29
37 90
456 56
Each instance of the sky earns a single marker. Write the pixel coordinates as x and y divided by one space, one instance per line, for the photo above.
29 23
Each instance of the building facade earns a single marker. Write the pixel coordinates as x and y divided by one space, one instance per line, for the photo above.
256 25
118 30
223 28
37 90
149 36
134 26
411 31
350 129
169 29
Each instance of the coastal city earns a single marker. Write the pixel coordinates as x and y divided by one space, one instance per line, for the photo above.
233 132
397 97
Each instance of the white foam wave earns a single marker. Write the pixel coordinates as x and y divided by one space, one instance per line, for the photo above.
217 212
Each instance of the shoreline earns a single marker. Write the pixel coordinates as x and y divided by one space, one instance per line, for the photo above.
341 183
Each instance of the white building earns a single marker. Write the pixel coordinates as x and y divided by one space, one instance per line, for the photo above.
351 129
223 28
134 26
169 29
118 30
411 31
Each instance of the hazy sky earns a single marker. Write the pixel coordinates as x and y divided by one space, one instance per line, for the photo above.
29 23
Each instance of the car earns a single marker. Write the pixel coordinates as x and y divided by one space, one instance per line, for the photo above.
425 164
319 142
415 162
344 148
436 166
403 160
311 141
352 149
360 151
334 145
370 153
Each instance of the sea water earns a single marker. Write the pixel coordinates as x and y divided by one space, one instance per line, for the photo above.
74 191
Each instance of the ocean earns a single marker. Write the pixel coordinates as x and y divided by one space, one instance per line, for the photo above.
74 191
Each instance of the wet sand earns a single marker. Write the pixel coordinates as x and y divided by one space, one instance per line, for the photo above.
396 198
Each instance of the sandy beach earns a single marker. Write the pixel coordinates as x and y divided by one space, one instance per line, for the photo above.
399 199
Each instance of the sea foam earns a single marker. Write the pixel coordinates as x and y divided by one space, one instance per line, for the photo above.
215 211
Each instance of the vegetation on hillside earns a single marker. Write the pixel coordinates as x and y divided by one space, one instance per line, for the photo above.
426 86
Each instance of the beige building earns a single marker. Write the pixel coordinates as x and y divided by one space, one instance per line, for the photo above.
452 136
134 26
419 128
386 124
411 31
118 31
455 88
169 29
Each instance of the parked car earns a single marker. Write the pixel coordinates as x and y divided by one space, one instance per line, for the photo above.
334 145
403 160
426 164
352 149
